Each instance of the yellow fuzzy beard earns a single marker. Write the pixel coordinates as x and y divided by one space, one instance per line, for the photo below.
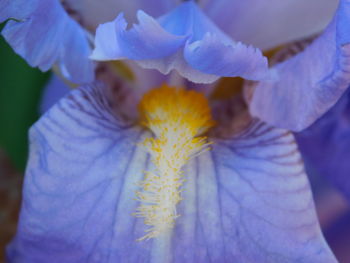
176 117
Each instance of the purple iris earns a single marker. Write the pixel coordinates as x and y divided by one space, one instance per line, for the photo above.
247 199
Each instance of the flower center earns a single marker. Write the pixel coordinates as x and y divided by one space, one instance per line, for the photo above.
176 118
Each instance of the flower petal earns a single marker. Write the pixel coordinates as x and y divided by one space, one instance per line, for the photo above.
144 41
45 35
268 24
80 181
248 200
310 82
325 145
184 40
16 9
213 57
94 12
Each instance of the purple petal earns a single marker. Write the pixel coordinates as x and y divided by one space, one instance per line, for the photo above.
309 83
45 35
18 9
325 145
179 41
247 200
144 41
80 182
266 25
93 13
213 57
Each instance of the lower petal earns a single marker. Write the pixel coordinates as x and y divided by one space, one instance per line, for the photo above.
79 186
247 200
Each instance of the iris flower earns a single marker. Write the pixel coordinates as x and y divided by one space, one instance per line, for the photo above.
179 177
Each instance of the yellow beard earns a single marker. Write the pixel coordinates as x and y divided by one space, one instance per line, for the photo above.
176 118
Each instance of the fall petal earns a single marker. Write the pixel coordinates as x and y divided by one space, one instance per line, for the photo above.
246 200
249 200
80 177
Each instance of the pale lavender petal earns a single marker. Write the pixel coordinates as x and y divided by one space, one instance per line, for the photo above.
211 56
247 200
147 40
266 24
79 188
18 9
93 12
43 34
309 83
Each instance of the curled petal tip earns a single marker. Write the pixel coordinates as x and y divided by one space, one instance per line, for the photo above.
184 40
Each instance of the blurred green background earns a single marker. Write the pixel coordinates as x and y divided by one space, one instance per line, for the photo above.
20 92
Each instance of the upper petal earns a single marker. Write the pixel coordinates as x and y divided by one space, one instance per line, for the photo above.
43 34
247 200
266 24
180 40
309 83
211 56
94 12
15 9
144 41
